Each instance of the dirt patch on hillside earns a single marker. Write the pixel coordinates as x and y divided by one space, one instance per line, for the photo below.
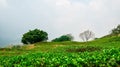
29 47
57 45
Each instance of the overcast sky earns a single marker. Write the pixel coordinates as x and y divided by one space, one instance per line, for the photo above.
57 17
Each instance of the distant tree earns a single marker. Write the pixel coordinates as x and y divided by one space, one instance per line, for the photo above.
70 36
86 35
116 31
62 38
34 36
96 38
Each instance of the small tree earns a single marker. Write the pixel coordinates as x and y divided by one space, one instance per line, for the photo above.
116 30
86 35
62 38
34 36
70 37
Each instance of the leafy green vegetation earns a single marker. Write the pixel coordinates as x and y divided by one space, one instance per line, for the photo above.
34 36
107 57
62 38
102 52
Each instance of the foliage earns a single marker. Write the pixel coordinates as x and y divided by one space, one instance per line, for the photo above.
105 58
34 36
84 49
103 52
114 39
62 38
116 30
86 35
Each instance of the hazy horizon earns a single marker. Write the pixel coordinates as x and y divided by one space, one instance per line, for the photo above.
56 17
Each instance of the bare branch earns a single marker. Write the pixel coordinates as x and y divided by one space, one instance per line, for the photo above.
86 35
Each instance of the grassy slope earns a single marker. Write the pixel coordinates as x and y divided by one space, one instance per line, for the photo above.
64 54
106 42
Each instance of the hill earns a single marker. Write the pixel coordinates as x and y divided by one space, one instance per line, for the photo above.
101 52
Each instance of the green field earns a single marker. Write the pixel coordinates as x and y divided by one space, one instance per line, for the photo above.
102 52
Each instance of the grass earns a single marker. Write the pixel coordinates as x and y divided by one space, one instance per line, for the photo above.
98 53
107 42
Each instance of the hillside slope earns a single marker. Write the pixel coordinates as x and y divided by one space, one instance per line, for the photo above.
103 52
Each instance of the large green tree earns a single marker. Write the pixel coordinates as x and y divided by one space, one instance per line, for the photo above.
62 38
34 36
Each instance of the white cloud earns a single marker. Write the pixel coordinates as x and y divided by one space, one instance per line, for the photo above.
97 5
97 15
3 3
63 3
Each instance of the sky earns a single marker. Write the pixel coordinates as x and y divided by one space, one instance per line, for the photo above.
57 17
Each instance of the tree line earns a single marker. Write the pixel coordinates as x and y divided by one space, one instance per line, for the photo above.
37 35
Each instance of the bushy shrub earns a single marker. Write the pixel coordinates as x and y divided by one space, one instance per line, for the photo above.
34 36
62 38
